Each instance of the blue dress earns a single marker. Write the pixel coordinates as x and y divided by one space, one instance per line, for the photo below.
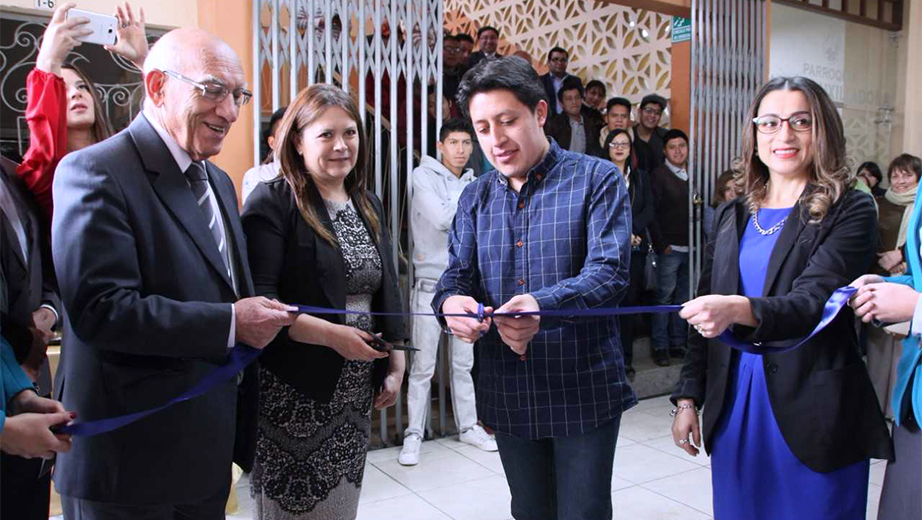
754 473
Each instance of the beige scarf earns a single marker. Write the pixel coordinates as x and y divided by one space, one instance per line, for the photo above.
905 199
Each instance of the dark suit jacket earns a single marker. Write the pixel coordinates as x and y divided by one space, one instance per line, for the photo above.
293 264
558 127
547 80
477 57
148 303
821 394
642 208
30 281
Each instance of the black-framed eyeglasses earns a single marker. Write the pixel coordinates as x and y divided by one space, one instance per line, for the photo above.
771 124
214 92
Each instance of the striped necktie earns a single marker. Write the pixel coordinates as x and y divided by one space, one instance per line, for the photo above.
198 180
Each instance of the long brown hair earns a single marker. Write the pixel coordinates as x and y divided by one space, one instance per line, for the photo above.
101 129
303 111
829 173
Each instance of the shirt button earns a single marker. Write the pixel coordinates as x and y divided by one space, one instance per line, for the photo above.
520 243
522 357
538 176
521 281
522 205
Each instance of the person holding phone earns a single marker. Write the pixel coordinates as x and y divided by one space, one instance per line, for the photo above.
317 236
63 109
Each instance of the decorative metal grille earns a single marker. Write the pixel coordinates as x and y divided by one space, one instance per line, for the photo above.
727 69
118 83
385 54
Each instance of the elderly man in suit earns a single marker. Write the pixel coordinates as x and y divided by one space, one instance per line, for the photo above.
151 259
30 313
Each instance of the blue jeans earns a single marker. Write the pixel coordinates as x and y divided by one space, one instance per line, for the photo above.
669 330
563 478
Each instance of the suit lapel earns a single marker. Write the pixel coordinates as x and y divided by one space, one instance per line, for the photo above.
174 192
789 233
725 273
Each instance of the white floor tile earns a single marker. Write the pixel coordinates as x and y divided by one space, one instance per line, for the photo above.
651 403
637 503
377 486
640 426
452 442
667 445
873 501
434 471
692 489
408 507
619 483
877 473
483 499
638 464
487 459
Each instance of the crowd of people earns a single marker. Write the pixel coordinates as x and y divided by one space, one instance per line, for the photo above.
132 244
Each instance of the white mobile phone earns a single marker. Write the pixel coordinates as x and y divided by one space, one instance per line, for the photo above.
102 25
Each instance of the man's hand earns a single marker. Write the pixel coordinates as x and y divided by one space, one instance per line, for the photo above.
36 356
259 319
43 318
29 435
517 332
467 330
60 38
131 40
887 302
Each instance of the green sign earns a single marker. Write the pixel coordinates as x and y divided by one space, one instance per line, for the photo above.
681 29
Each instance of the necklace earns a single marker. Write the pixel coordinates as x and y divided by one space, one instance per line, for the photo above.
770 231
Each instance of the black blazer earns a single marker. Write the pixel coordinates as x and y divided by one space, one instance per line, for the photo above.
821 394
292 264
558 127
547 81
148 314
642 209
477 57
30 281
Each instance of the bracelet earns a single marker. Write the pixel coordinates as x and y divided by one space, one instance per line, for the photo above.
686 406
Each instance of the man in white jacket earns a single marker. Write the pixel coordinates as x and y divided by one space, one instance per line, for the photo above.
436 189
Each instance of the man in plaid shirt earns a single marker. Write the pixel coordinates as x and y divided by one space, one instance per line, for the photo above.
548 230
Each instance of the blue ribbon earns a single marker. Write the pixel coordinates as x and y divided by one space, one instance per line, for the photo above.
242 355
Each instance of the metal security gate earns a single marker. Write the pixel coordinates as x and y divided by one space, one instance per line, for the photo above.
384 53
728 65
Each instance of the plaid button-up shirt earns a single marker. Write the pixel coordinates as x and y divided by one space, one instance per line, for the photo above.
565 238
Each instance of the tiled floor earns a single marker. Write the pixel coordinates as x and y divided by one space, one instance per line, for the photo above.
653 479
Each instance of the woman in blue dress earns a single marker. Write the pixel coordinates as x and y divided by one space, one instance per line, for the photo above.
896 300
790 432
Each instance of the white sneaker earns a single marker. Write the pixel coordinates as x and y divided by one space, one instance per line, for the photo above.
409 454
478 437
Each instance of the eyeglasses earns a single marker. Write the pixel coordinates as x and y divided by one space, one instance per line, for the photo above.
211 91
771 124
650 111
620 146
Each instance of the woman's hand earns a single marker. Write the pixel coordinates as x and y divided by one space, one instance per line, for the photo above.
635 240
684 423
393 381
711 315
29 401
889 260
866 279
29 435
131 39
886 302
60 38
352 343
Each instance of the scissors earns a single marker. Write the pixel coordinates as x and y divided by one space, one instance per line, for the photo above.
382 346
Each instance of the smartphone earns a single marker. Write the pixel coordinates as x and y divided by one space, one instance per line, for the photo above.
102 25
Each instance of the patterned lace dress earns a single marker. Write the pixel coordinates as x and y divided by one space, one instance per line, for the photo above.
310 456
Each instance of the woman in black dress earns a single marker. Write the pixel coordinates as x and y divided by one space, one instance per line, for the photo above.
317 237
